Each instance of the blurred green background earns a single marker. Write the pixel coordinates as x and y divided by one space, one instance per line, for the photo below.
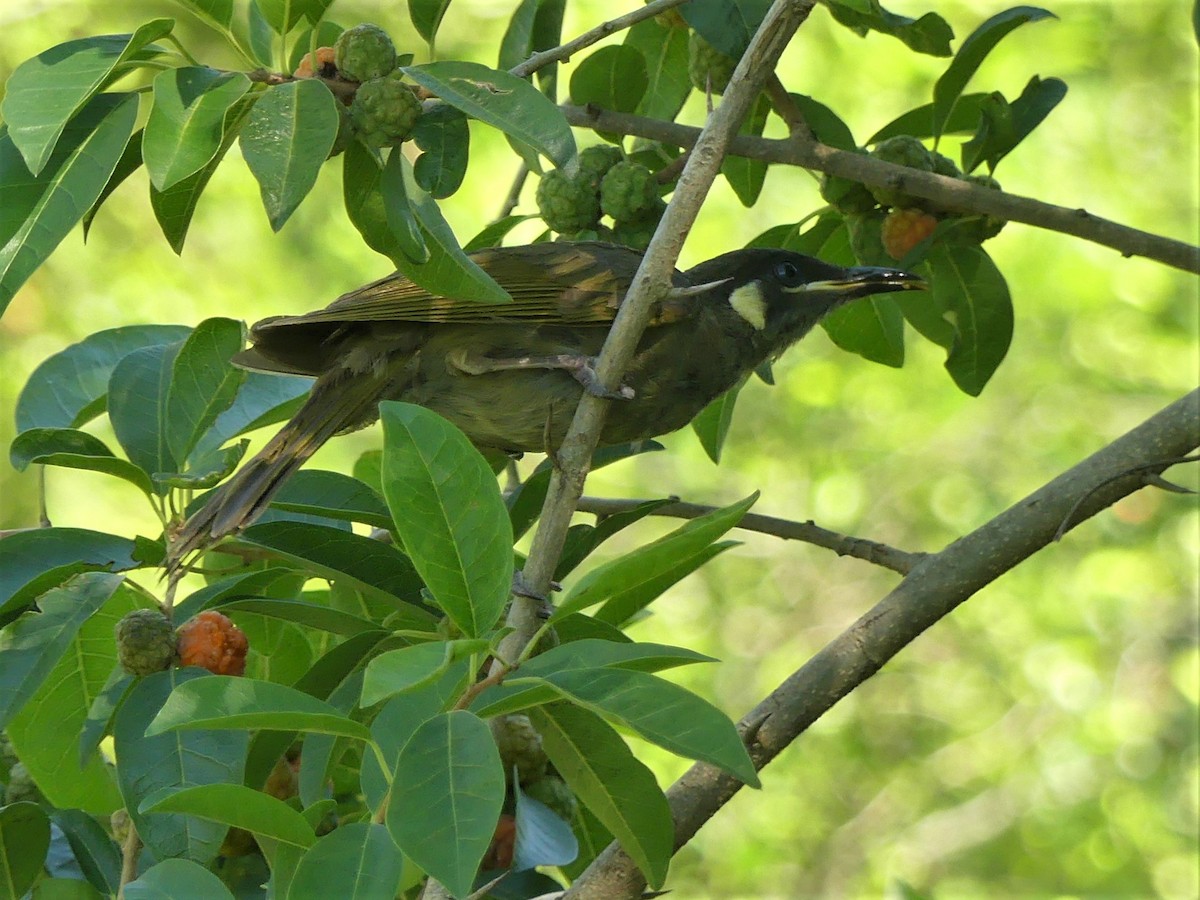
1042 741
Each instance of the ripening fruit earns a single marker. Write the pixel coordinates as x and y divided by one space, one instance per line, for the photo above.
326 64
211 641
903 229
364 52
145 642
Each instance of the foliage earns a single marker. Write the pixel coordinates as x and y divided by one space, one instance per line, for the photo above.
374 675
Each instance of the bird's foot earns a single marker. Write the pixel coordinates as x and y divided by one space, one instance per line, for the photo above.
522 588
581 368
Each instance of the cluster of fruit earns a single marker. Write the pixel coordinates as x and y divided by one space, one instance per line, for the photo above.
600 182
385 108
147 642
888 220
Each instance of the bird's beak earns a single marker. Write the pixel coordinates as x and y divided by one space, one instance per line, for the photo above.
864 280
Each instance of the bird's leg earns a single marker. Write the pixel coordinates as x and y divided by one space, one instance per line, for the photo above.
581 368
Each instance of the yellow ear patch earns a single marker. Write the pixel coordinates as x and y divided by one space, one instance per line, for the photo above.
748 302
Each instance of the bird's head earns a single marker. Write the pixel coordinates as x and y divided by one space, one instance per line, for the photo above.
781 295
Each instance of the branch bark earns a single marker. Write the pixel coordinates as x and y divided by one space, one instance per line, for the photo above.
930 592
949 193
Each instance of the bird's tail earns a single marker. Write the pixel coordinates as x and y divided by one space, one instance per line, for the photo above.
335 404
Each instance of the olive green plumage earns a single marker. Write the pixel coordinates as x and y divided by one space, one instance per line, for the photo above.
510 375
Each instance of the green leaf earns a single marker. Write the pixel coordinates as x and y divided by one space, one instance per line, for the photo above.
174 207
872 327
450 770
501 100
236 805
583 539
288 135
261 400
543 836
203 471
919 121
624 578
662 713
324 35
493 235
426 16
334 495
712 425
203 383
373 567
929 34
187 122
745 175
283 15
613 77
130 162
37 212
401 220
827 126
98 723
313 615
971 54
32 562
44 93
620 791
137 407
665 53
226 702
1002 126
356 861
443 135
97 854
969 285
149 763
37 640
217 12
726 24
449 515
72 449
177 879
411 668
24 841
449 272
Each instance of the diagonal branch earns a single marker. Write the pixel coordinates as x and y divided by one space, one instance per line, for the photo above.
929 593
949 193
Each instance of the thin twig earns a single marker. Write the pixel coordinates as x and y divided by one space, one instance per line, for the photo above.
1150 472
951 194
601 31
129 858
514 192
897 560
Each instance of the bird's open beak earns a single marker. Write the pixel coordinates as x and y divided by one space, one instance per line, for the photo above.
864 280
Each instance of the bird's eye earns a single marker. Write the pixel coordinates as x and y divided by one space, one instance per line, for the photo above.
787 273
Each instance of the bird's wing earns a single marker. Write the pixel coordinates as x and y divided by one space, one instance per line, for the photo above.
571 284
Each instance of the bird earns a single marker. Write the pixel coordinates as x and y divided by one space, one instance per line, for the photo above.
510 375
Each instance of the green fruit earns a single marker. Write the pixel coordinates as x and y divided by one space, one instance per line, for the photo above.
708 68
944 165
567 204
145 642
384 111
845 195
520 747
628 191
637 233
553 791
596 233
21 787
866 238
901 150
364 52
594 163
977 229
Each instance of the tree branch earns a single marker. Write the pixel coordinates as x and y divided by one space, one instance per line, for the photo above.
949 193
601 31
652 278
930 592
901 561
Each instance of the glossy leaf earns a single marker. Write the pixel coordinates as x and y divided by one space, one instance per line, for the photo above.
712 425
449 515
24 840
238 806
827 126
37 212
230 703
203 383
426 16
726 24
187 120
501 100
543 837
176 879
97 854
411 668
1003 126
261 400
218 12
613 77
401 220
620 791
73 449
665 54
174 207
44 93
450 770
284 15
130 162
626 574
745 175
493 235
149 763
919 121
98 723
583 539
929 34
356 861
32 562
286 138
137 407
442 134
661 712
334 495
966 282
970 56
